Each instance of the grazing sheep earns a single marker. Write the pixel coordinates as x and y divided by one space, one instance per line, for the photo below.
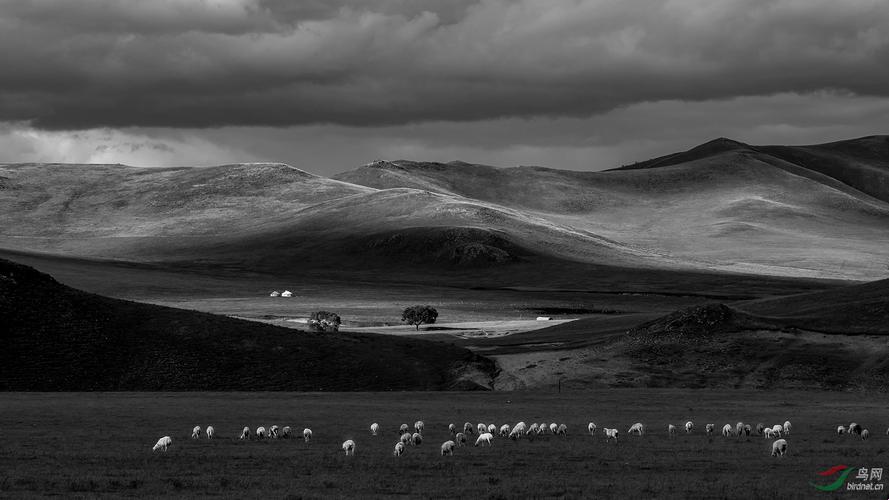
460 438
768 433
515 433
504 430
447 448
374 428
779 448
403 428
777 429
287 432
532 430
541 429
245 434
671 430
163 443
842 430
273 431
553 428
854 429
467 428
260 432
637 428
419 426
865 434
349 447
562 430
787 427
738 428
405 438
484 438
689 426
591 428
492 428
211 432
416 439
747 431
482 428
196 432
452 429
610 434
710 428
399 449
759 428
307 434
726 430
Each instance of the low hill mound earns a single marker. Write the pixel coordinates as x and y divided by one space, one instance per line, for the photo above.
56 338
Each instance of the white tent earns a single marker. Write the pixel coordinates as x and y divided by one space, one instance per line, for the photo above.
287 293
274 294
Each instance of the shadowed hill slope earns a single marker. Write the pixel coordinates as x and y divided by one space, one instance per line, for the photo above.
58 338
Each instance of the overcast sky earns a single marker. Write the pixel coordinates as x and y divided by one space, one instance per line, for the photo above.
330 85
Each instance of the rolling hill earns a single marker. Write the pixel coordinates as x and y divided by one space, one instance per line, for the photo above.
56 338
808 211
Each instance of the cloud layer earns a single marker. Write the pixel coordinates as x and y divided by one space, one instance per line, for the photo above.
215 63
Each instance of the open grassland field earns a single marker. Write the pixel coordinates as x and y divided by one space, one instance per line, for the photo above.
99 444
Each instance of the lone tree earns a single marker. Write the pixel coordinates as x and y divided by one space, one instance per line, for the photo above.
324 321
418 315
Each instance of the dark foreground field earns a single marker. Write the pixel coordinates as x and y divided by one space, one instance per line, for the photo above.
99 444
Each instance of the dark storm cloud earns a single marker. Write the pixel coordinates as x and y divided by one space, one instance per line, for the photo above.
183 63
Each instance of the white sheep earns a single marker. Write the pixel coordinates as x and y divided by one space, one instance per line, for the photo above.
245 434
374 428
399 449
211 432
405 438
520 428
865 434
287 432
163 443
591 428
492 428
541 429
727 430
484 438
452 429
779 448
768 433
260 432
689 426
196 432
759 428
460 438
447 448
854 429
416 439
777 429
637 428
710 428
747 431
531 430
562 430
842 430
467 428
307 434
504 430
419 426
349 447
787 427
671 430
273 431
515 433
553 428
738 428
610 434
482 428
403 428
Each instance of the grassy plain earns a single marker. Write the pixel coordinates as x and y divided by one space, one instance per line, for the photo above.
99 444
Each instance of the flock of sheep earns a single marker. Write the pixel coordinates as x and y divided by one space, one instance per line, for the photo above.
521 430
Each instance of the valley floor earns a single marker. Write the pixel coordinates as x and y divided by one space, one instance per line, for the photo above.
99 444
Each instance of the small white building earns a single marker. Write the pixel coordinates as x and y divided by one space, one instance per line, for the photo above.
275 294
287 293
